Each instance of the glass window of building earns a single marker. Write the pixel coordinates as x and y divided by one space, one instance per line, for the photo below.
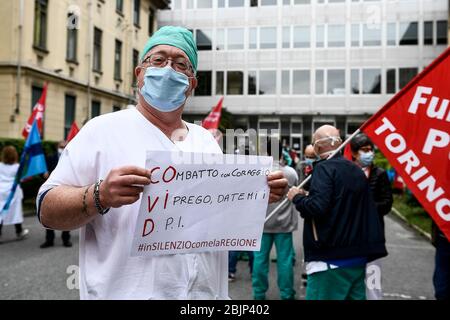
286 2
320 36
220 3
286 37
268 2
267 82
301 82
406 75
175 4
190 4
320 82
336 35
236 3
302 1
220 82
118 60
95 109
254 3
69 113
371 81
354 82
204 79
40 24
372 34
336 81
137 12
409 33
442 32
391 83
235 82
220 39
428 33
355 35
72 37
235 39
302 37
252 38
203 39
204 4
391 34
97 64
251 87
268 38
285 82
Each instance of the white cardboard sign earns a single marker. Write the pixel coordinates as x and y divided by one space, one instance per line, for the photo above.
202 202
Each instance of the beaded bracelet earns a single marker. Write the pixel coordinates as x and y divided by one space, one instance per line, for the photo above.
98 206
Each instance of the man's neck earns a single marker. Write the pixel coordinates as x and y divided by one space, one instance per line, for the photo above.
167 123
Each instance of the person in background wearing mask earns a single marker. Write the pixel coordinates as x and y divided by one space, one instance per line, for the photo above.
101 174
8 169
363 154
52 161
342 231
277 230
305 167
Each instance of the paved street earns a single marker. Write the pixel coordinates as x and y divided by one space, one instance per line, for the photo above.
28 272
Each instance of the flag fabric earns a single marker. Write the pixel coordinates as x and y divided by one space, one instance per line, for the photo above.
348 152
32 162
73 132
37 114
412 130
212 121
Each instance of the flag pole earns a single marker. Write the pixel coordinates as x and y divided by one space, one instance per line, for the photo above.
275 211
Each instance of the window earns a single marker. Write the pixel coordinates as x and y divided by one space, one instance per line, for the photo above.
116 108
372 35
219 82
235 3
36 93
204 4
97 65
286 2
442 32
137 12
151 21
190 4
320 82
40 24
371 81
354 80
135 64
391 83
391 34
320 36
301 82
355 35
286 37
220 3
235 39
268 38
204 83
220 39
69 113
301 37
235 82
253 3
428 33
302 1
72 37
176 4
409 33
285 82
251 87
268 2
252 41
336 35
336 81
203 39
267 82
406 75
118 60
95 109
119 6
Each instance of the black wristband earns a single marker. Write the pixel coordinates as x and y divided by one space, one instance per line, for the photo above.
98 206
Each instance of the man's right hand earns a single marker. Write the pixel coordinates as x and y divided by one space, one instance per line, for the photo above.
123 186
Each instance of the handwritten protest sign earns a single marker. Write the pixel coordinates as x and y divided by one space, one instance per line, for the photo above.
202 202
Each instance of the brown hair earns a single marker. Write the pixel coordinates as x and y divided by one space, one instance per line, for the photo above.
9 155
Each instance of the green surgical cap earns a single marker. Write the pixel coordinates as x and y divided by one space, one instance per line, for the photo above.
178 37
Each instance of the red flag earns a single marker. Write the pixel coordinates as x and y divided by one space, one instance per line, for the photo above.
412 131
37 113
348 152
72 132
212 121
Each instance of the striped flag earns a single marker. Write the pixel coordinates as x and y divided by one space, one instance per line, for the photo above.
32 162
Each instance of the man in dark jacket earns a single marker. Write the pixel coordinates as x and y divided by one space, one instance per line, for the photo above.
342 231
362 155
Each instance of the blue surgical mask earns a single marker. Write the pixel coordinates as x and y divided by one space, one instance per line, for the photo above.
366 158
309 161
164 88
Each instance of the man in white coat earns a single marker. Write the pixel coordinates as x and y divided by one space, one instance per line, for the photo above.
103 168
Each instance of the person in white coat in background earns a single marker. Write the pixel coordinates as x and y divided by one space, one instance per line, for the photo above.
8 169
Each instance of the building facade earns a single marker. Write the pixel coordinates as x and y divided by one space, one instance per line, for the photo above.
294 65
86 51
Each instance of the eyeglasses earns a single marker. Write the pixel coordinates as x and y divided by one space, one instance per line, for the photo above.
179 64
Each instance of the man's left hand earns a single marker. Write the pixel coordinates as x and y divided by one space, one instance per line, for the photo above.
277 184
